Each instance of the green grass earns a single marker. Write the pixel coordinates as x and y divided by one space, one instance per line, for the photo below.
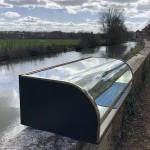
23 43
138 47
23 48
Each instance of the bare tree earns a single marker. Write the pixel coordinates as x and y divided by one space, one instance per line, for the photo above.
112 22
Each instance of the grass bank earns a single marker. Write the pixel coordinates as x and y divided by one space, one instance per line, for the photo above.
23 48
138 47
22 43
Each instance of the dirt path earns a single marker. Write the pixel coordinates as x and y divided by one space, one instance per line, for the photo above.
140 125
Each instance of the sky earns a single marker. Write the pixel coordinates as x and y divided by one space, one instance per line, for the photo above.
68 15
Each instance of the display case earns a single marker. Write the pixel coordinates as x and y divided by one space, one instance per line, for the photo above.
78 99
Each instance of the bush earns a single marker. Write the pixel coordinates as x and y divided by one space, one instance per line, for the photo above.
89 40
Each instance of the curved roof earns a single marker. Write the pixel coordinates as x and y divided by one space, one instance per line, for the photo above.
93 75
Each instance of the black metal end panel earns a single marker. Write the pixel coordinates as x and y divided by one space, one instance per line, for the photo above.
57 107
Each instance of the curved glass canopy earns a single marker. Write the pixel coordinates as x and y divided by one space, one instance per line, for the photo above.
94 75
104 82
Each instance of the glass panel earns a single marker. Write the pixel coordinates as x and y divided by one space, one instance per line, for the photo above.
108 97
94 75
107 121
102 111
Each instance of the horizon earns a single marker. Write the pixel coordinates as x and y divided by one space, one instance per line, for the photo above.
68 15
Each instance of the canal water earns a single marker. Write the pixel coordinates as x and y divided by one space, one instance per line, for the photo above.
9 86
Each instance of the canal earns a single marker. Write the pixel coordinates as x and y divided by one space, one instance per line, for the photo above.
9 86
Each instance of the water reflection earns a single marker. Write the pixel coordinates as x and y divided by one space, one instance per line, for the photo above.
116 51
93 74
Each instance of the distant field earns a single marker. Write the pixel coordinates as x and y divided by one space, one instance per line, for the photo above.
23 48
23 43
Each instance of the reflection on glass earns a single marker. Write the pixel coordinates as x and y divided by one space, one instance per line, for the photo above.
94 75
107 121
107 98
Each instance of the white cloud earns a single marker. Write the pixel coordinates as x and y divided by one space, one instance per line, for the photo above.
134 26
74 6
70 2
88 20
25 2
36 24
29 19
4 5
52 5
2 19
30 23
11 14
145 14
132 8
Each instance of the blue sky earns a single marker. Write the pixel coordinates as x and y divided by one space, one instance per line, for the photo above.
68 15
